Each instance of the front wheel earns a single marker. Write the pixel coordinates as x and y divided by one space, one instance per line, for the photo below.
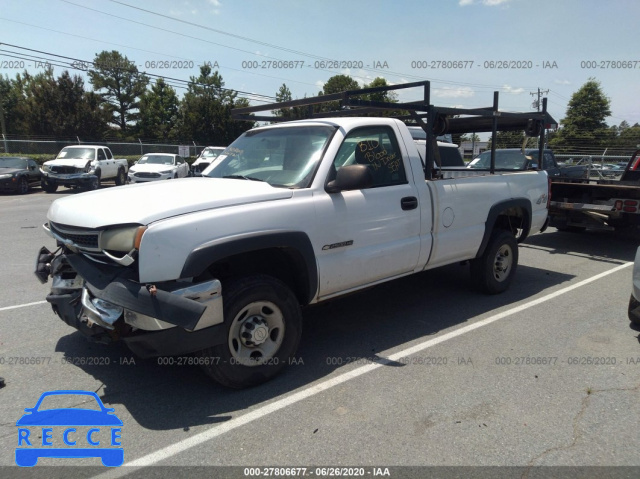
263 324
94 184
23 186
493 272
49 187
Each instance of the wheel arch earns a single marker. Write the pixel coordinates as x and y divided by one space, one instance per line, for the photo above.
501 214
285 255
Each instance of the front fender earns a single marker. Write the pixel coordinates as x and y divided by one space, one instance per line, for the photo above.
207 254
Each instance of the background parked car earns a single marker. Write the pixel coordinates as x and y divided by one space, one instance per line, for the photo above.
207 155
158 166
516 159
17 174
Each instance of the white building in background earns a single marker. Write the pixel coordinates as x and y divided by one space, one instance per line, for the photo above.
470 149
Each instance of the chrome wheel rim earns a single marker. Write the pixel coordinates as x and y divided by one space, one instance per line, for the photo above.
256 333
503 263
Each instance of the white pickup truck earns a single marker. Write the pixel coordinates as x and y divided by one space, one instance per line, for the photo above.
291 214
83 166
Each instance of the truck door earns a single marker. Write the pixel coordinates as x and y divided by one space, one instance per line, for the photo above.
371 234
105 167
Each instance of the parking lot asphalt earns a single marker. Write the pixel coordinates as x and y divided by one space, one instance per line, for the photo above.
421 371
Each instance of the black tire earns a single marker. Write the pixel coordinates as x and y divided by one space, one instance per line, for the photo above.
95 184
263 306
121 177
48 187
23 186
493 272
175 176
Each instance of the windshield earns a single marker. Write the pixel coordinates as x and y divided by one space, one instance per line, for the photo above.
284 156
156 160
211 152
77 153
13 163
505 160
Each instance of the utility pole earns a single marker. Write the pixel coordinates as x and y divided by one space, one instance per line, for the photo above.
536 104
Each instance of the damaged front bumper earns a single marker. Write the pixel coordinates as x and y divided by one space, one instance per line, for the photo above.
68 179
105 303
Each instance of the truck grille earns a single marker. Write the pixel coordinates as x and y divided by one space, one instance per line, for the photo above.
147 175
84 238
66 170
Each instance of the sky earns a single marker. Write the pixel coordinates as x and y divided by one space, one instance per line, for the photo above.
467 48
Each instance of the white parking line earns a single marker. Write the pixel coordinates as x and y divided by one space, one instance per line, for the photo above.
7 308
178 447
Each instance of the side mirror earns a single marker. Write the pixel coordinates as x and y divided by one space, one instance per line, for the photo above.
352 177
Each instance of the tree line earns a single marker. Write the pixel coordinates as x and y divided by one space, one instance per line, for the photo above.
123 103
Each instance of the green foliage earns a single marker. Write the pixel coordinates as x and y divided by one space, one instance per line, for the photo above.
338 84
10 96
295 113
205 111
158 112
584 124
120 84
43 105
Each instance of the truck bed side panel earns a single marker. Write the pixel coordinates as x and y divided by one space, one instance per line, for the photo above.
462 205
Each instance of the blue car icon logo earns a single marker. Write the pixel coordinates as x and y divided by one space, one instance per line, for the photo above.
75 432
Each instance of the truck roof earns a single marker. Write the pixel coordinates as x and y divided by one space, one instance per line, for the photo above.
86 146
345 122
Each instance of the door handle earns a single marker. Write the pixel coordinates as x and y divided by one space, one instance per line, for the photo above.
409 203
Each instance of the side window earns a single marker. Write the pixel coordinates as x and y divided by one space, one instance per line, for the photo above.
377 148
450 156
101 155
33 165
548 161
108 152
179 160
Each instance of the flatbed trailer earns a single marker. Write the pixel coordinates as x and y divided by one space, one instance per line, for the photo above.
602 204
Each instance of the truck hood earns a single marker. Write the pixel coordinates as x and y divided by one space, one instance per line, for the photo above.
78 163
145 203
151 168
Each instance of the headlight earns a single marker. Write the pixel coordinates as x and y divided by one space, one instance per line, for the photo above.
166 172
46 168
3 177
122 239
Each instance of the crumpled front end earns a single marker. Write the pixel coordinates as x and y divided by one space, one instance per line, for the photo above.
67 175
107 303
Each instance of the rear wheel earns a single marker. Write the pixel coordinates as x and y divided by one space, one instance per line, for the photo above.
121 177
493 272
263 324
